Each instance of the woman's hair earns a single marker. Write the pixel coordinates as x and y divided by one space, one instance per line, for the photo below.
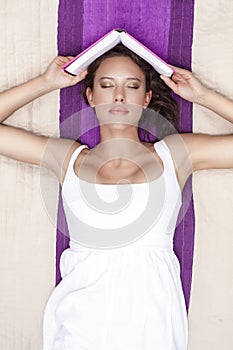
161 117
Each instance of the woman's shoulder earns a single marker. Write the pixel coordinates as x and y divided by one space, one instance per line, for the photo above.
180 153
69 149
59 151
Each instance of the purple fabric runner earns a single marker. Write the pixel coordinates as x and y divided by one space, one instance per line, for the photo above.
70 24
166 28
180 54
148 21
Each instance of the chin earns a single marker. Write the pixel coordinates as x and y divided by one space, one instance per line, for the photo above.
120 125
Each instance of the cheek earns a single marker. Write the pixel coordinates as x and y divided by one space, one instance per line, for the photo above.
102 96
136 97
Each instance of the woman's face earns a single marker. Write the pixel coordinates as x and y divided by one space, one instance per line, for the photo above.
119 91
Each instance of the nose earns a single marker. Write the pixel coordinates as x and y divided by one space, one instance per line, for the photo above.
119 96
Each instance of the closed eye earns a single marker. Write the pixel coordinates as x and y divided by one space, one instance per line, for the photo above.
106 86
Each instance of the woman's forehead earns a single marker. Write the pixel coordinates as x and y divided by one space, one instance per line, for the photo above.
119 66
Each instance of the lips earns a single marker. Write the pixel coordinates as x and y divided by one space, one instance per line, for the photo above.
118 110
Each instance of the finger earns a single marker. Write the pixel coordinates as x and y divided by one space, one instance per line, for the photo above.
182 78
80 76
180 70
171 84
177 76
61 60
83 74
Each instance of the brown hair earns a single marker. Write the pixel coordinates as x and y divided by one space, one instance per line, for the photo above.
161 117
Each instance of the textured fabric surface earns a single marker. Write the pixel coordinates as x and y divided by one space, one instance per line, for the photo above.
211 304
27 220
180 54
69 42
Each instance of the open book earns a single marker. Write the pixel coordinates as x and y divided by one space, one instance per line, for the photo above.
79 63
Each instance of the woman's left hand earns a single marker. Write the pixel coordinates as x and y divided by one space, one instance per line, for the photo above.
184 84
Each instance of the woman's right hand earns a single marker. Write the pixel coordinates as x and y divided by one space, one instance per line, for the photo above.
57 78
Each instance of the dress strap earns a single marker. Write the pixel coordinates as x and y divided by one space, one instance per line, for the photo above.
74 156
168 163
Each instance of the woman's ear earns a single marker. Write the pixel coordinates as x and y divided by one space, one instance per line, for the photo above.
148 98
89 95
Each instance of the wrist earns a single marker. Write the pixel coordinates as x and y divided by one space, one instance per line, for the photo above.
46 84
204 98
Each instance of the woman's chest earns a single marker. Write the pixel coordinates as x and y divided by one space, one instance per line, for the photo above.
141 169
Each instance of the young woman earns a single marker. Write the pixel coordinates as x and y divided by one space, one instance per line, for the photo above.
121 284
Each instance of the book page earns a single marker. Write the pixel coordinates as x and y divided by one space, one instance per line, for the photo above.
159 65
82 61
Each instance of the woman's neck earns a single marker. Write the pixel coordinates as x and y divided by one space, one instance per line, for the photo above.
119 140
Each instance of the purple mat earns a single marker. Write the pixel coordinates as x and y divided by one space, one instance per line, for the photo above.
70 26
166 28
180 54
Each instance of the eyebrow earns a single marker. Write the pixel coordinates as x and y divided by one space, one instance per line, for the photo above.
102 78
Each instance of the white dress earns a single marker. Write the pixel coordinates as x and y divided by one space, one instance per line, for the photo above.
124 293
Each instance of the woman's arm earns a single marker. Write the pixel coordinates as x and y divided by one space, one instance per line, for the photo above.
23 145
193 152
53 78
187 86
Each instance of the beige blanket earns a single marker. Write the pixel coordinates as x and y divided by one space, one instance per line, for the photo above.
211 309
27 254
